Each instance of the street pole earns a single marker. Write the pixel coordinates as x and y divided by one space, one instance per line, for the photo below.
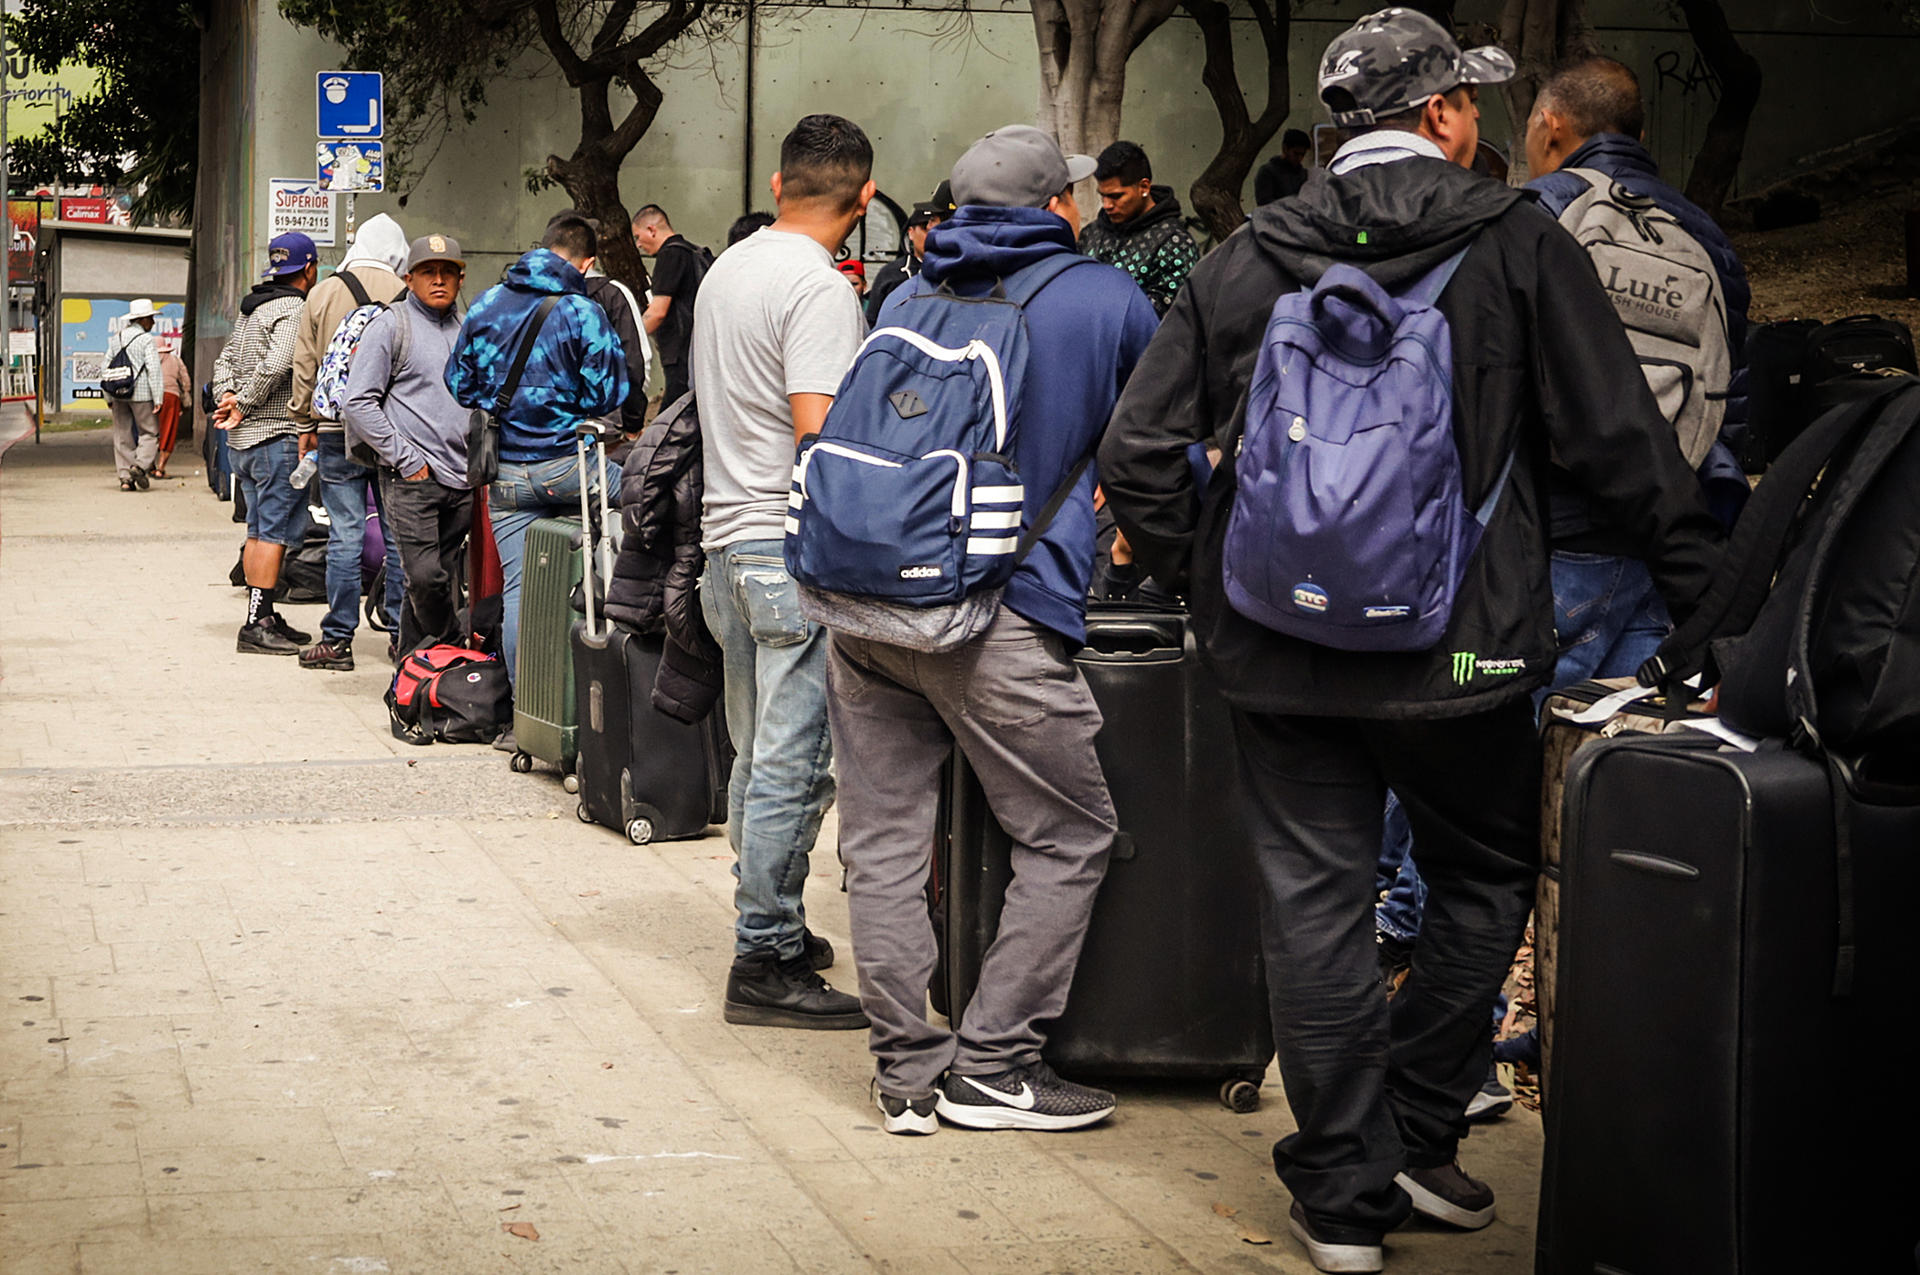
6 205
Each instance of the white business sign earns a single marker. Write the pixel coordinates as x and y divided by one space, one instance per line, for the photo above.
299 203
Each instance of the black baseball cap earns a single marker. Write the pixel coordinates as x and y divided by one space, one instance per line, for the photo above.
1394 60
941 205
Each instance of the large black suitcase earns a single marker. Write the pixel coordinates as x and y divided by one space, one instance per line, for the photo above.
1716 1107
1170 982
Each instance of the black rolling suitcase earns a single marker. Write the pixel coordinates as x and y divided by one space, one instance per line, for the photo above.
641 772
1170 982
1716 1108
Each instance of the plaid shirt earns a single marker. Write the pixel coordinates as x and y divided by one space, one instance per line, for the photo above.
256 367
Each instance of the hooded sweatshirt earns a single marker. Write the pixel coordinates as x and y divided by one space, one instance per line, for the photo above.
1154 247
577 370
1086 329
1541 366
378 253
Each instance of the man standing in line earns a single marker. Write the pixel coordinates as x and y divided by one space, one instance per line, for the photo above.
1541 367
678 267
252 383
625 313
373 262
577 372
1139 227
777 327
1012 700
398 403
136 431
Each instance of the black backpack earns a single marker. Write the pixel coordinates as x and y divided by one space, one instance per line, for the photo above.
1799 369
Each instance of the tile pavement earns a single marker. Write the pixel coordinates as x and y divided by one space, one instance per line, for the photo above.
286 995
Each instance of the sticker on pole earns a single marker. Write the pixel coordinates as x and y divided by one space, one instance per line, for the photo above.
298 203
353 167
351 104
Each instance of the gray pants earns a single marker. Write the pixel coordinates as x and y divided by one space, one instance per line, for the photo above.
1017 707
136 436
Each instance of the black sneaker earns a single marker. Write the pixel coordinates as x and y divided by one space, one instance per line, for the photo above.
819 951
1331 1247
1447 1194
279 622
504 742
764 991
262 639
138 477
906 1115
334 655
1493 1101
1029 1097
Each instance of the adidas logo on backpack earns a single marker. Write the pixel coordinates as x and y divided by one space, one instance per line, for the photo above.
904 521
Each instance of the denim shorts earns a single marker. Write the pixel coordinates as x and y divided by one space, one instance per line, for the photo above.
274 512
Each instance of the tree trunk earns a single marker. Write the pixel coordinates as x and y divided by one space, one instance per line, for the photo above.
1083 47
1738 72
1216 193
1539 34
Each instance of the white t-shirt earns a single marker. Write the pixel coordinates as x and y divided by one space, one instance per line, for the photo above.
772 318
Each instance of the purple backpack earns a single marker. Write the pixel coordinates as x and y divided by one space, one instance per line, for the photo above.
1349 525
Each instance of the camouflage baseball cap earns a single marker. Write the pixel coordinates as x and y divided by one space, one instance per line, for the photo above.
1394 60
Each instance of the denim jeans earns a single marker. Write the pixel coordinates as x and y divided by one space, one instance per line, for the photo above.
430 524
1607 617
276 513
524 492
343 489
776 677
1398 914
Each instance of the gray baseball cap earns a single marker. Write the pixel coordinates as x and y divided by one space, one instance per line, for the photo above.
1016 166
434 248
1394 60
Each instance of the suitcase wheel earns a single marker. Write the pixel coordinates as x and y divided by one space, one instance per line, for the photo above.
1240 1095
586 816
570 782
639 831
521 763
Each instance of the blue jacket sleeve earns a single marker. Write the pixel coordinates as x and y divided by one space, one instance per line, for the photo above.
602 360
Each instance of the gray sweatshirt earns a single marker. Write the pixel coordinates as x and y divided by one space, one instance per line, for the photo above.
407 413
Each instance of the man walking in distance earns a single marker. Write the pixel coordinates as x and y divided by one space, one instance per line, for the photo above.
176 400
776 328
398 403
1541 367
136 430
577 371
1139 227
373 263
1011 700
678 267
252 383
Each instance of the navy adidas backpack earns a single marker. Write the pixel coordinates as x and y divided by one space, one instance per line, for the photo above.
1349 525
904 519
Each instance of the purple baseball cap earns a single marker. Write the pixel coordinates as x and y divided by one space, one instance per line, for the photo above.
289 254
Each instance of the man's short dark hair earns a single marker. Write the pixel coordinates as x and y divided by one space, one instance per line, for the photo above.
744 226
1596 94
1124 162
825 157
652 212
1296 139
572 236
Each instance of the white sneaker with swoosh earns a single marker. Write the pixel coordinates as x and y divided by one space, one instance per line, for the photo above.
1028 1097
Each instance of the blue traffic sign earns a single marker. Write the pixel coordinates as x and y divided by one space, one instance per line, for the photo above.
350 104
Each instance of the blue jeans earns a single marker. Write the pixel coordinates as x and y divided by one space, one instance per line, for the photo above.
776 676
343 489
525 492
276 513
1398 914
1607 618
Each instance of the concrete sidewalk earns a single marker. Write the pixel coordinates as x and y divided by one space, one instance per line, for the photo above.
288 995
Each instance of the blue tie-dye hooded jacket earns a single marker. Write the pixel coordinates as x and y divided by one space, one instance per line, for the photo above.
578 369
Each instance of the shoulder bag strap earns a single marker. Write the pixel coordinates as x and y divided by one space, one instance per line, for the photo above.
512 384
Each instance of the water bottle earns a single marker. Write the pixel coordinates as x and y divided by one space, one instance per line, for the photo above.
303 472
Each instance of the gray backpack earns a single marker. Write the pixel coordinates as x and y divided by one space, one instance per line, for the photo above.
1663 285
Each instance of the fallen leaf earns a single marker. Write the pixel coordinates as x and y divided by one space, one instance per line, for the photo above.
525 1230
508 1208
588 894
606 1066
1248 1235
1225 1210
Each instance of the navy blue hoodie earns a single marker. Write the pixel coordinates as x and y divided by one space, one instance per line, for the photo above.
1085 330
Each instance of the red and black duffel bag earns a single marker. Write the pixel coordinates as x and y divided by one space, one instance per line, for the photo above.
452 694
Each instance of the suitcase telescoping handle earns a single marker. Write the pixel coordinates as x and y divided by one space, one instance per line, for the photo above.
584 433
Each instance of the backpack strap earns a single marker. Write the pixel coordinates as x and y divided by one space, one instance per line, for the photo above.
360 296
512 383
1023 285
1044 519
1427 288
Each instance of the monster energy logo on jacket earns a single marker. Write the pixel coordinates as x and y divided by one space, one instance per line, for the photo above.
1467 664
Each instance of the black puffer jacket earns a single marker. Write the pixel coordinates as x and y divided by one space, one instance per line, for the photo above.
1541 367
656 578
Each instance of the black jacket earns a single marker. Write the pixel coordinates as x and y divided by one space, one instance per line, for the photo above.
891 276
633 342
1541 366
656 577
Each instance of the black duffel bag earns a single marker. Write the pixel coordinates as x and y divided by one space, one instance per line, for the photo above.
450 695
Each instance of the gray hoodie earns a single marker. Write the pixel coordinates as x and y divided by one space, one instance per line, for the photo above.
406 413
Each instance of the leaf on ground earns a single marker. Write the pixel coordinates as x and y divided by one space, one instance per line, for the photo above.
1225 1210
1252 1235
588 894
508 1208
525 1230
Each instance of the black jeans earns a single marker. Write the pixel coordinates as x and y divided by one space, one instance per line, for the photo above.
1376 1089
679 381
430 523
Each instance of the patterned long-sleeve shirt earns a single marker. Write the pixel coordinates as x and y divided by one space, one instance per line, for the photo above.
256 367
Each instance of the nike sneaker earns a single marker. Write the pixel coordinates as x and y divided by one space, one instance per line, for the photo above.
1029 1097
